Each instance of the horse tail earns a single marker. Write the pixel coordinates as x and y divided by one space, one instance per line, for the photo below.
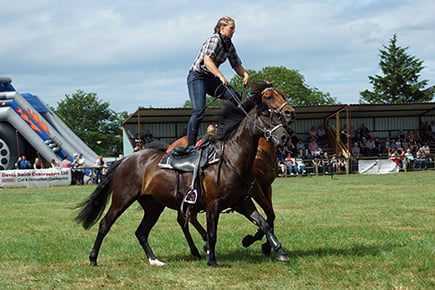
93 207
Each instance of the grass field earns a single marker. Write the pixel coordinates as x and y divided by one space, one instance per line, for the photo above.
356 231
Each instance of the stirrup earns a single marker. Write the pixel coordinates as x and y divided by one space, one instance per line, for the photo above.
191 196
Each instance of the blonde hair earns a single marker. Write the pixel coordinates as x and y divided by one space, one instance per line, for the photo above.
223 21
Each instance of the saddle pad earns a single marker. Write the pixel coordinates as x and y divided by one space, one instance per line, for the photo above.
165 162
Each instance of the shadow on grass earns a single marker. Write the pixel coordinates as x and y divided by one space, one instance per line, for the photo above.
254 255
357 250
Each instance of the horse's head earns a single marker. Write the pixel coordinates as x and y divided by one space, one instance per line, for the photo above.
279 114
276 102
271 126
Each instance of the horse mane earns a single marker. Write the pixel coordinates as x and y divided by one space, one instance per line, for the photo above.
230 115
260 86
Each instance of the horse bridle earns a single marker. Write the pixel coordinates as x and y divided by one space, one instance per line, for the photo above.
281 107
268 133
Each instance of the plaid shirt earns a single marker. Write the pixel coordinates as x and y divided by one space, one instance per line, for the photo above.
214 48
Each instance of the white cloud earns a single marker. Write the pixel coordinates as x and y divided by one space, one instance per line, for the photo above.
137 53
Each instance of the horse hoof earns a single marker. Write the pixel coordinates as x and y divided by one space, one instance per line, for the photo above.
156 262
266 249
247 241
213 264
197 257
282 258
93 263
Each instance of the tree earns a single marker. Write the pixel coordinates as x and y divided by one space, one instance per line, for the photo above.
91 120
210 102
399 83
290 82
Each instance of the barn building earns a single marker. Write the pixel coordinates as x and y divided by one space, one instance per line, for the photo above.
383 121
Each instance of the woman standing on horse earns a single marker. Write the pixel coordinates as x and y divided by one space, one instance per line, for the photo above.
205 77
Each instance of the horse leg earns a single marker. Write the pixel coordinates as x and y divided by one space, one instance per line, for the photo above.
267 206
152 212
185 227
106 223
258 195
193 219
212 223
247 208
263 196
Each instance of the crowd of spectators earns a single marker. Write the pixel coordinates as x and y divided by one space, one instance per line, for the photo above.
141 142
312 150
80 173
408 149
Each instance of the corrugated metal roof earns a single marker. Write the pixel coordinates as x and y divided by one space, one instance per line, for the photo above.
172 115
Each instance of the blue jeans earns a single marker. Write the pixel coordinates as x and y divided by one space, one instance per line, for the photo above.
200 84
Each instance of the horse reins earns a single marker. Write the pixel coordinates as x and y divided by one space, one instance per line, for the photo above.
267 132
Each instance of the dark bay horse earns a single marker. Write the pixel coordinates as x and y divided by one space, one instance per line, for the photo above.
138 177
266 170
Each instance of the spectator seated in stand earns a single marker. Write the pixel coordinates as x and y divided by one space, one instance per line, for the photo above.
426 150
300 148
414 135
408 161
364 131
335 163
321 133
364 147
413 144
326 163
387 146
341 163
371 147
314 148
420 159
317 162
396 157
282 165
356 150
398 144
312 134
148 137
291 165
301 168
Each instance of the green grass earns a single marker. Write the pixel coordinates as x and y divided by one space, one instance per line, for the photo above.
356 231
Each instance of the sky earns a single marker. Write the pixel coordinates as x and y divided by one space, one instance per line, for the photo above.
135 53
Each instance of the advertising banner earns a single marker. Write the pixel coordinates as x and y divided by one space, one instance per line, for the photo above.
35 177
378 166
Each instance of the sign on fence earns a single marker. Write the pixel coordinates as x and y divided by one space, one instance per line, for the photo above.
35 177
378 166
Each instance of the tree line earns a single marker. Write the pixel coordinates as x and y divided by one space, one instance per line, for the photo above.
100 127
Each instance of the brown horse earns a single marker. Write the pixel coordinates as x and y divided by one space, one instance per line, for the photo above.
265 170
138 177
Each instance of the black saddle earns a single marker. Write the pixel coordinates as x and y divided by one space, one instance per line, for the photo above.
186 158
